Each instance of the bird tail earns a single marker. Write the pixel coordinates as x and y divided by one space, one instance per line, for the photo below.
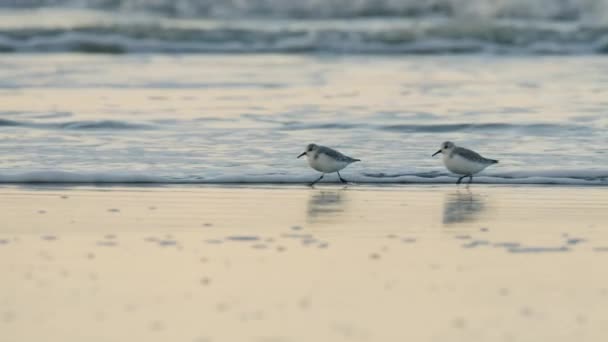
494 161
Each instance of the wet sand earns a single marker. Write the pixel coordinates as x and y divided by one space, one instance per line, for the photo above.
417 263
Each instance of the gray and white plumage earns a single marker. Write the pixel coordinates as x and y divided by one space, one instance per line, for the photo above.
462 161
334 154
326 160
471 156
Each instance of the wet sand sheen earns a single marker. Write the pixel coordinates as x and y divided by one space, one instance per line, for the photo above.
298 264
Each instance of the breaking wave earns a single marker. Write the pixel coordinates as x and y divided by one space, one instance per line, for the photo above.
314 9
110 125
397 38
305 26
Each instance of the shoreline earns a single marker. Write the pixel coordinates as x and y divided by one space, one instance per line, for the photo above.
278 186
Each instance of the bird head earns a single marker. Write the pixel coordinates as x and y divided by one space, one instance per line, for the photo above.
309 149
446 147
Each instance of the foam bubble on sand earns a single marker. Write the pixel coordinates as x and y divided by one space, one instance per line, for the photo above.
574 241
559 249
506 244
243 238
309 241
165 243
476 243
297 236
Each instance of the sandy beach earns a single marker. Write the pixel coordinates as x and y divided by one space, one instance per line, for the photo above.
268 263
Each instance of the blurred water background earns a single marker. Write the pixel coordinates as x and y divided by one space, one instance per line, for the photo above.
186 91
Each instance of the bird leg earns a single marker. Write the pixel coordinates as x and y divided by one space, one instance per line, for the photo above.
318 179
461 178
341 179
470 179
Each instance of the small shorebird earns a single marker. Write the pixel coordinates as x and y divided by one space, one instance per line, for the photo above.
326 160
462 161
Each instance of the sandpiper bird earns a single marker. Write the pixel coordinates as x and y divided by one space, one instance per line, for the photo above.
462 161
326 160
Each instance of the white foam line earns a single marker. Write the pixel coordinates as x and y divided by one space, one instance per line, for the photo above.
589 177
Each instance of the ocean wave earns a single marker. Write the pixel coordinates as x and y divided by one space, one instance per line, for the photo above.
118 125
537 9
102 125
548 177
341 37
530 128
111 125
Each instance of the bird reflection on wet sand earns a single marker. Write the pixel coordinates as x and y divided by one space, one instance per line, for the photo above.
323 205
462 206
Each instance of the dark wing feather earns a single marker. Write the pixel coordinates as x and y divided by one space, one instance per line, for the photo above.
472 155
336 155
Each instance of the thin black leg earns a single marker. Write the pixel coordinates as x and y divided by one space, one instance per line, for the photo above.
461 178
341 179
318 179
470 179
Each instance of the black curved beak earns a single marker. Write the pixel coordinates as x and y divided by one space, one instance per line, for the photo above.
303 154
436 153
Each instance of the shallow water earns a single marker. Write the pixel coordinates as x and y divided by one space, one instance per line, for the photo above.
244 118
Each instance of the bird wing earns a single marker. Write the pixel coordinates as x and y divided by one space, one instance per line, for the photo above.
336 155
471 155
